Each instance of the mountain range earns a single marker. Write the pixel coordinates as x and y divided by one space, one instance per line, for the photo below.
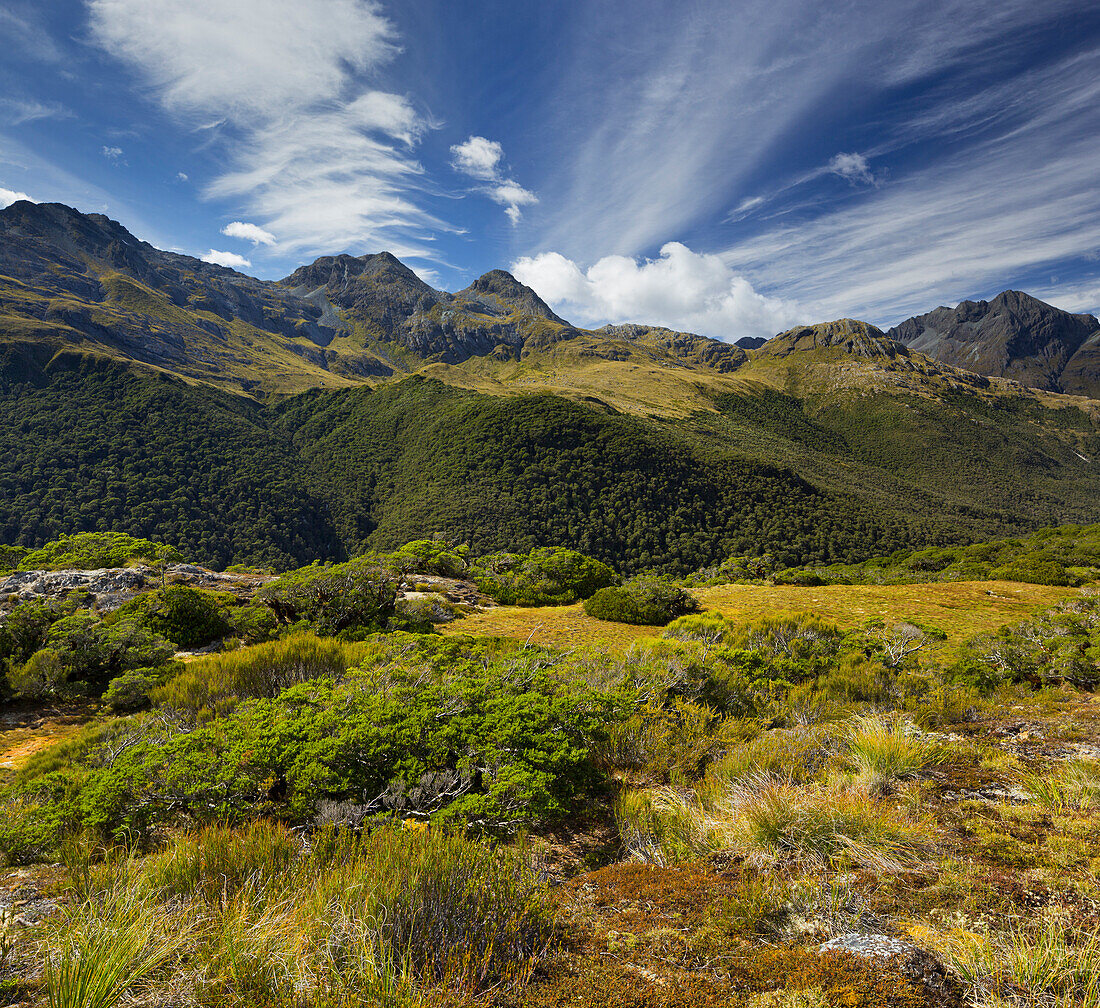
352 405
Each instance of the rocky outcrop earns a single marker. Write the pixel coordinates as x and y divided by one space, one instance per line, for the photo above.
113 587
1013 336
691 348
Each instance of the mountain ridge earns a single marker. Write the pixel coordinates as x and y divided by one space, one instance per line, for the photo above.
1014 335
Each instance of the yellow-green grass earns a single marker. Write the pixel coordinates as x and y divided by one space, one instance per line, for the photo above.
960 609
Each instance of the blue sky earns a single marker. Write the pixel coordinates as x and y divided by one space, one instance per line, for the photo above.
727 167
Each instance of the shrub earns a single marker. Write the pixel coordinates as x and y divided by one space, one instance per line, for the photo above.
189 617
647 600
130 691
549 575
430 556
42 674
90 551
350 599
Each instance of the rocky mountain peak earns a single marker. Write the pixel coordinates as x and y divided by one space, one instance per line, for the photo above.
502 290
1014 335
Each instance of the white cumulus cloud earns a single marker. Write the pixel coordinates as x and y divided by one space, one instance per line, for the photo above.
484 160
111 153
230 259
316 155
10 196
681 289
852 167
478 157
249 232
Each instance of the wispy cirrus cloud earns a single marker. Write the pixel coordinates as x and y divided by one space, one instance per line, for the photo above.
998 211
734 129
322 159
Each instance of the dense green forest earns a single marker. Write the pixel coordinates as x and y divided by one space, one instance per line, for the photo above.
89 445
92 445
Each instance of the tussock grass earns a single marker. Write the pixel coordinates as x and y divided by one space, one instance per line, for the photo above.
1071 787
109 946
271 921
263 670
885 749
768 819
1051 964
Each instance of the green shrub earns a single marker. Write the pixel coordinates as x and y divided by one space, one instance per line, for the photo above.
90 551
647 600
547 575
350 599
131 690
189 617
430 556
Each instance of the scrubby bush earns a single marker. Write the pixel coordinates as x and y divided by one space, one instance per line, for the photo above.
189 617
131 691
549 575
90 551
647 600
430 556
349 599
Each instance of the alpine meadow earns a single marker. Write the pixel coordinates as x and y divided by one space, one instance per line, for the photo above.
516 506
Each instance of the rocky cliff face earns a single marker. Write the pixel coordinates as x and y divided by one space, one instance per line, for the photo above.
1013 336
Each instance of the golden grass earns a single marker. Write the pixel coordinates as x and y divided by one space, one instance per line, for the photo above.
960 609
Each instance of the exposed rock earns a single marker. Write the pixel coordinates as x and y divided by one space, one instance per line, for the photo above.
910 960
1013 336
113 587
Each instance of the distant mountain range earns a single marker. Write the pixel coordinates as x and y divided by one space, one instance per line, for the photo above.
1013 336
352 405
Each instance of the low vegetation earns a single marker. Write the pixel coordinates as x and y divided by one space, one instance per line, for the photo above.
348 808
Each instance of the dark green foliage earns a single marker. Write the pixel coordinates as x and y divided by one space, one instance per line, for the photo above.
419 457
1065 555
430 556
352 598
451 729
88 445
547 575
95 652
188 617
646 600
130 691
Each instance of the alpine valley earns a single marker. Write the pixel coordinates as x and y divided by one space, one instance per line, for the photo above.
352 406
